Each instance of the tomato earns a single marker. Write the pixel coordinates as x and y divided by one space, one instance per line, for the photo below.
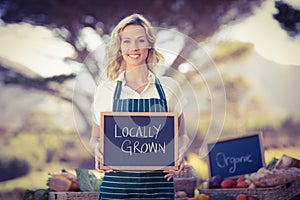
241 178
227 183
241 197
242 184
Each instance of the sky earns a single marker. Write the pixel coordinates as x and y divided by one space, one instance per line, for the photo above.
36 48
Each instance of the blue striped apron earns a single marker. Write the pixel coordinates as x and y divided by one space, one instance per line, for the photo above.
137 184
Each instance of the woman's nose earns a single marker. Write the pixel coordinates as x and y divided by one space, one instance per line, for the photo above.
134 46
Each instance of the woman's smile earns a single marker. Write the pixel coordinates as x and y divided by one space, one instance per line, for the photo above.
134 55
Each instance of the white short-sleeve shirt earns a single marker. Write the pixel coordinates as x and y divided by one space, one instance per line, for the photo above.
104 93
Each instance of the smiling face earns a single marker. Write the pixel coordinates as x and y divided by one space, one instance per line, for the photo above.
134 45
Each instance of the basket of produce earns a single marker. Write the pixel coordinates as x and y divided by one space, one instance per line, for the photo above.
280 180
185 183
66 186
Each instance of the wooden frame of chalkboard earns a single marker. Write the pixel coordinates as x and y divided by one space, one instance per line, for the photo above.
232 157
139 140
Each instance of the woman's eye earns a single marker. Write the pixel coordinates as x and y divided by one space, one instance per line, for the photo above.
126 41
142 40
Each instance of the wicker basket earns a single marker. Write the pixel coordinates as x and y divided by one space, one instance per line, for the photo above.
280 192
73 195
186 181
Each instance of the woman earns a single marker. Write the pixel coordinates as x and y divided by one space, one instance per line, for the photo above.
133 87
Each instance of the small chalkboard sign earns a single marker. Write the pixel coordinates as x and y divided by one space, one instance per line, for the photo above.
139 140
236 156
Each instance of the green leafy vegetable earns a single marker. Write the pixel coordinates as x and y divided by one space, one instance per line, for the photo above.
272 164
87 181
39 194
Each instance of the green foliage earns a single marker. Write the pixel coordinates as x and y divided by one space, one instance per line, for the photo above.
41 194
272 164
25 146
38 149
88 182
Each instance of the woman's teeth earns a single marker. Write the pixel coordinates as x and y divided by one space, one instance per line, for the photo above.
133 55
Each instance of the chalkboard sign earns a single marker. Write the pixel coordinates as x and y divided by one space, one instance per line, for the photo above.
139 140
236 156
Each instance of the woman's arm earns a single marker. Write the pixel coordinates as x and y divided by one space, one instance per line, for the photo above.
95 137
183 141
95 145
183 138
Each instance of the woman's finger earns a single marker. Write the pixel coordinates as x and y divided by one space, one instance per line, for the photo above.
171 173
168 176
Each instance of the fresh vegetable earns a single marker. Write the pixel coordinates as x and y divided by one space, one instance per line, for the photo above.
241 178
40 194
63 182
203 197
272 164
88 182
241 197
60 183
242 184
180 194
215 181
227 183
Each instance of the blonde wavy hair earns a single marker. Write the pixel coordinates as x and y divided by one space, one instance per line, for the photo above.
113 62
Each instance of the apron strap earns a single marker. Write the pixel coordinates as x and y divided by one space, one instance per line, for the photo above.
160 90
118 90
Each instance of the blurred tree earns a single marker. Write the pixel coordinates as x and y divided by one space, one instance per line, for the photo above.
20 168
225 51
68 18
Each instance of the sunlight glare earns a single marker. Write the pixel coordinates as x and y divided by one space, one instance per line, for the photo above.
36 48
270 40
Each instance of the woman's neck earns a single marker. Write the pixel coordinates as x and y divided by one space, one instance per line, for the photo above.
137 75
137 78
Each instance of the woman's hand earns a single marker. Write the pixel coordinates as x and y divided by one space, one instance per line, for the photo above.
99 160
171 173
